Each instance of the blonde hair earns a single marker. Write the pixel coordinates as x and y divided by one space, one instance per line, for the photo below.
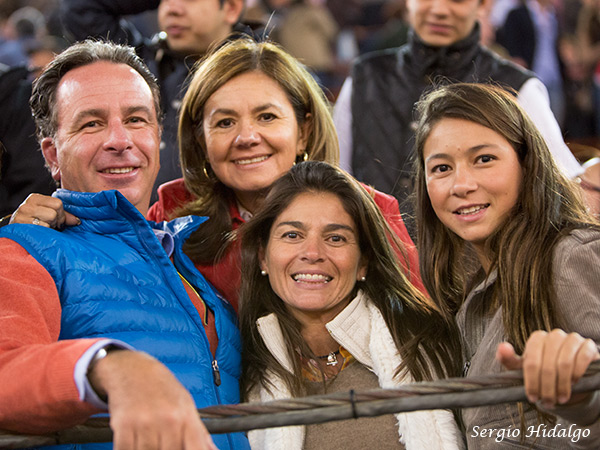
220 66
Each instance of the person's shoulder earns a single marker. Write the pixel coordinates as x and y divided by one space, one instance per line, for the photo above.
579 236
171 195
13 80
173 188
580 243
380 56
385 202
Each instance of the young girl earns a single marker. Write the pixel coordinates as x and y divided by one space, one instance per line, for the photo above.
507 247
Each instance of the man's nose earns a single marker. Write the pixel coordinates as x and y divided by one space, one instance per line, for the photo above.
439 7
119 137
172 6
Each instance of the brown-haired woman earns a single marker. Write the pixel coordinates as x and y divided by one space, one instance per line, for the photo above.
325 306
514 255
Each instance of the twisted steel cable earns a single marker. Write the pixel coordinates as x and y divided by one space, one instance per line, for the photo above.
506 387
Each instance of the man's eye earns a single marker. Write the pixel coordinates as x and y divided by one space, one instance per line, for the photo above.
337 238
290 235
90 124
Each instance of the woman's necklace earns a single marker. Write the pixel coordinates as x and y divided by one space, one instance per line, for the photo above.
331 358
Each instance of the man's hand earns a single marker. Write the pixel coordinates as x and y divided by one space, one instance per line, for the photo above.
43 210
149 408
551 363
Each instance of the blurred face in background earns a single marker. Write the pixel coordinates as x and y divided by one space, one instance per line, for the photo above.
440 23
193 25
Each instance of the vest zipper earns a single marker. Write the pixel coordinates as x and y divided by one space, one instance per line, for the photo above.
216 373
466 368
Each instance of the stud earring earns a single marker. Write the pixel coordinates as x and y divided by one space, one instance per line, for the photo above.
363 279
263 273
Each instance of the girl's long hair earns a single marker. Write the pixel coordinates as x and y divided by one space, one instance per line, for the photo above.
425 340
549 206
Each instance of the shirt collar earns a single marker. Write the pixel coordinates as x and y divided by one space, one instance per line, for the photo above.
166 240
245 215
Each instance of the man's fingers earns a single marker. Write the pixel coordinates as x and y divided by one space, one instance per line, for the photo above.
122 439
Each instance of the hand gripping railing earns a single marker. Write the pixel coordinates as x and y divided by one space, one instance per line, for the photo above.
506 387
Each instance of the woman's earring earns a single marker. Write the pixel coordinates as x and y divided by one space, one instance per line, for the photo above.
205 170
363 279
263 273
301 158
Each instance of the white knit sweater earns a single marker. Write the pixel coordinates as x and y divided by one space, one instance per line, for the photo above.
361 330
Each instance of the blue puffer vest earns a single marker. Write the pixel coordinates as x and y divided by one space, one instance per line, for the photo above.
115 280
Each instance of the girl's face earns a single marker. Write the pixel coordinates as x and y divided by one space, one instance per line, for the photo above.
313 258
473 178
252 136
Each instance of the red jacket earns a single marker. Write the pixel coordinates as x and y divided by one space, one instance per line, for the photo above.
31 356
225 275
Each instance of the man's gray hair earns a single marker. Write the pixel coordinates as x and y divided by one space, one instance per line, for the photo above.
43 97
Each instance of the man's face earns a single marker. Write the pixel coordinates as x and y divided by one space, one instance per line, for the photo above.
193 25
440 23
108 134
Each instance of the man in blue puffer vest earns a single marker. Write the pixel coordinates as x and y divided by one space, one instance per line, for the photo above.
109 315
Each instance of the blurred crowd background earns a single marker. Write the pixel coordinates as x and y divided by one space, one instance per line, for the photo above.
327 35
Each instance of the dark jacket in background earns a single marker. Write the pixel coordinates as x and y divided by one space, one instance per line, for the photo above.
517 35
22 164
387 84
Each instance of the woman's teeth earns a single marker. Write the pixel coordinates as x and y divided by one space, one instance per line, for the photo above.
311 277
471 210
243 162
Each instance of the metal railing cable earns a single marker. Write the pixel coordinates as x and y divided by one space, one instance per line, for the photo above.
506 387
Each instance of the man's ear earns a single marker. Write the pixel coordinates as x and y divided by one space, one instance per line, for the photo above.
51 157
233 11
